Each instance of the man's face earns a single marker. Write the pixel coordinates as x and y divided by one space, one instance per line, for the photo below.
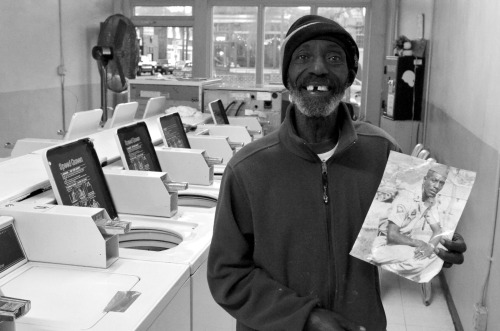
433 183
317 77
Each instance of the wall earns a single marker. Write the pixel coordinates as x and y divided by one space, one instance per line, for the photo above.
462 130
30 88
405 21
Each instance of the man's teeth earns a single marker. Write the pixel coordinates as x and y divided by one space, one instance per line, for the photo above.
317 88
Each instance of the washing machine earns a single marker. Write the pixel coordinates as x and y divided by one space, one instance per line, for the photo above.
181 245
127 295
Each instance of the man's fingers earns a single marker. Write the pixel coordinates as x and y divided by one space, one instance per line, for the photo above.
457 237
458 246
450 256
453 254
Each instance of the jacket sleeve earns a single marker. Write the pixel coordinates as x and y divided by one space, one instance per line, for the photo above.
237 283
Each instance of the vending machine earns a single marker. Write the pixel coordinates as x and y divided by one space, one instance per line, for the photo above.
402 88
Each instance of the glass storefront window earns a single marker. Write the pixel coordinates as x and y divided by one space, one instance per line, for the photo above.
277 21
163 11
234 44
172 46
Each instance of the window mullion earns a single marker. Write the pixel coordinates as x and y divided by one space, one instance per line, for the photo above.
259 61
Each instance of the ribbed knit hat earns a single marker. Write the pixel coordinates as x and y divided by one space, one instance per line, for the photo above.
311 27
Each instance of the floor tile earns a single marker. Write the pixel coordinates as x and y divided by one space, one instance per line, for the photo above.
405 310
395 313
427 328
396 327
429 317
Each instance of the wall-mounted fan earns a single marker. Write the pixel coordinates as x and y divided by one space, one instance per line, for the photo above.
117 55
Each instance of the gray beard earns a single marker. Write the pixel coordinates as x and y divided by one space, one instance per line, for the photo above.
315 106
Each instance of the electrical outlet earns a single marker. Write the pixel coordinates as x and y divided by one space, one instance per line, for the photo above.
61 70
480 319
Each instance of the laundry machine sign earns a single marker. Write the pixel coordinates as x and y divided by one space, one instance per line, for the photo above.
137 148
78 177
173 131
11 251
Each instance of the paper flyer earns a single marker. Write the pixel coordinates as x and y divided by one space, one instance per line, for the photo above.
417 202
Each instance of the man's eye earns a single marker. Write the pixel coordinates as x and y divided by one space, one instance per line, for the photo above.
335 58
302 57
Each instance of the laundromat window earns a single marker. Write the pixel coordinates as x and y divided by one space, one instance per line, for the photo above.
169 50
277 21
353 20
235 44
163 11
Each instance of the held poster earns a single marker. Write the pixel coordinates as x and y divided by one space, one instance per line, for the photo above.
418 202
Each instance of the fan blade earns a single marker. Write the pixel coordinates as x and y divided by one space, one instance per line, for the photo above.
121 30
120 70
119 37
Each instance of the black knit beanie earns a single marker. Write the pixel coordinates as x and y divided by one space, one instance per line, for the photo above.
311 27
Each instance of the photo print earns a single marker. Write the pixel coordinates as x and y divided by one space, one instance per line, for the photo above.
418 202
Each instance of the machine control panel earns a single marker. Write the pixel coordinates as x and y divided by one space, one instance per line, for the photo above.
268 102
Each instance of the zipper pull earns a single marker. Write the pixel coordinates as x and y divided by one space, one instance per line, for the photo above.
324 176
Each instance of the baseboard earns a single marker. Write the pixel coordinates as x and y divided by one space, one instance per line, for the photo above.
451 305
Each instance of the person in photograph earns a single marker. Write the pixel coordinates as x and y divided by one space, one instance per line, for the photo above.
407 238
292 203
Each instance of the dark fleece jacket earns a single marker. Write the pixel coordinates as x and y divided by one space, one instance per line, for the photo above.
282 239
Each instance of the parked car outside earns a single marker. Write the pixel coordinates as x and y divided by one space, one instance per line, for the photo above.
146 65
164 67
185 70
179 65
188 66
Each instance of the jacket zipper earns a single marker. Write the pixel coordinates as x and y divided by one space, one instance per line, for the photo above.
331 269
324 176
332 284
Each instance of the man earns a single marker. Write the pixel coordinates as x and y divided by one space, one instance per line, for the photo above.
292 203
408 237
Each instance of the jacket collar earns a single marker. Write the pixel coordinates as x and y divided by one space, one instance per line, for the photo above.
289 137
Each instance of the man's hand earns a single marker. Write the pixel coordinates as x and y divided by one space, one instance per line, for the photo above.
455 249
327 320
424 251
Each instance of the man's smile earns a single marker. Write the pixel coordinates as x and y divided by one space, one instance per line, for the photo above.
317 88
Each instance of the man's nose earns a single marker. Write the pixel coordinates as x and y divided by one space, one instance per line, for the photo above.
319 66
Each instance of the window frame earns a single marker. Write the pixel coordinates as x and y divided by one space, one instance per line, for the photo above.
180 21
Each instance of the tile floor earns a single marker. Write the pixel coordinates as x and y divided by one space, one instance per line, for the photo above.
405 309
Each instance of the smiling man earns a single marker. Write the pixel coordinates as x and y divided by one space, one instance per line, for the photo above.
292 203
